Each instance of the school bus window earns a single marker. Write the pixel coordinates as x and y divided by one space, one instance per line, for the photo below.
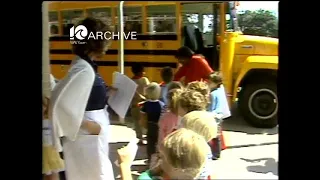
190 19
161 19
132 17
104 14
70 18
207 23
53 23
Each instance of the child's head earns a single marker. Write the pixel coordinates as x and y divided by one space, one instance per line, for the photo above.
215 80
200 86
137 69
174 85
153 91
183 154
201 122
191 100
167 74
172 97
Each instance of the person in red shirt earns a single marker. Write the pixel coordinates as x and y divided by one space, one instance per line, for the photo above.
194 67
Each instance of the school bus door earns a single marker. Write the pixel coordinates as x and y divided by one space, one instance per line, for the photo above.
202 16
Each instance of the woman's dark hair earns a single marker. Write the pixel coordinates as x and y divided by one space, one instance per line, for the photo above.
167 74
184 52
216 78
86 46
137 69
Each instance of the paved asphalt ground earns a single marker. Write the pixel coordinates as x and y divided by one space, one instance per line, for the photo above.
252 153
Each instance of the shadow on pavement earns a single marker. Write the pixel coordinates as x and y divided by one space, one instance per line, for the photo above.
251 145
237 124
270 165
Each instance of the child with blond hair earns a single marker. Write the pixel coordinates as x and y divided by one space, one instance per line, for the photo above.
150 114
191 100
201 122
219 105
194 100
183 155
169 119
52 164
200 86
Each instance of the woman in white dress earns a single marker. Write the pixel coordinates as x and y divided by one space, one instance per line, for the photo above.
79 111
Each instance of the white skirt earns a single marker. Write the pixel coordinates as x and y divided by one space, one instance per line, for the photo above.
87 158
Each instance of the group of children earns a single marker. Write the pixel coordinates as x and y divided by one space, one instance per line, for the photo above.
159 108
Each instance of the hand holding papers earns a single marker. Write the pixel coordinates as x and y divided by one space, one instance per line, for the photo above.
121 99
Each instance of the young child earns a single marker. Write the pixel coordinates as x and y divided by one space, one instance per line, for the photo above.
201 87
150 115
180 157
191 100
167 77
219 105
52 164
172 85
142 83
201 123
175 85
169 119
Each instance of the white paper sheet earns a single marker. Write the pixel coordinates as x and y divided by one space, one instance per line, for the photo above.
121 100
225 106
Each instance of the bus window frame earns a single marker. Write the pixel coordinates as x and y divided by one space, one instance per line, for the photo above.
101 7
176 19
115 16
57 22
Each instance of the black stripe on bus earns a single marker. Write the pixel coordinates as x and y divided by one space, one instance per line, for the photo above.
126 52
115 63
165 37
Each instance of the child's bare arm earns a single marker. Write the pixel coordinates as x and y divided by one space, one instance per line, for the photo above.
140 95
145 83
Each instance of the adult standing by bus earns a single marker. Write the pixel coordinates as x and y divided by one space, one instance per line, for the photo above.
194 67
79 114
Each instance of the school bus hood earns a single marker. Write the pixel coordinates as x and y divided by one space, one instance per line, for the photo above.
257 45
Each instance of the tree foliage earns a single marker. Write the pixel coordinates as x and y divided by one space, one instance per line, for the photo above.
259 23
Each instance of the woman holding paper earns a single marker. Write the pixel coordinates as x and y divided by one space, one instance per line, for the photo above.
78 111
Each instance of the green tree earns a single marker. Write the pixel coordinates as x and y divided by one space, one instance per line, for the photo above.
259 23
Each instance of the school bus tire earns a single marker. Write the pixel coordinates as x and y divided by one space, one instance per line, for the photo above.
249 105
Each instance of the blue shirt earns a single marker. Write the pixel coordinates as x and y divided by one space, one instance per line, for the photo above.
98 96
164 92
153 109
219 102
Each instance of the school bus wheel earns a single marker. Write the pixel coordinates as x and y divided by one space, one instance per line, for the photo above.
258 104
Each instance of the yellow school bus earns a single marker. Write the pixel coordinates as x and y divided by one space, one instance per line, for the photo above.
248 63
